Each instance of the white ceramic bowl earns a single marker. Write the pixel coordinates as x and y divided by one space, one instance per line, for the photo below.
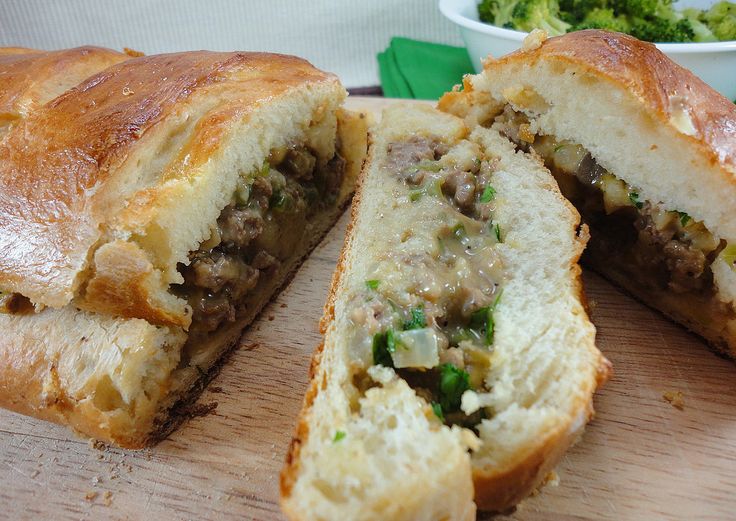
714 62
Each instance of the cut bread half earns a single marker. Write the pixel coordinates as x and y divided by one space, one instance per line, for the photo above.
147 215
458 361
644 149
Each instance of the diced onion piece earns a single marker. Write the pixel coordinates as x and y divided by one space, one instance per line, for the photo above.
567 157
615 193
700 237
729 255
416 348
724 274
662 218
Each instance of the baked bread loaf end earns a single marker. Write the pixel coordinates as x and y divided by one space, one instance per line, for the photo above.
647 153
147 214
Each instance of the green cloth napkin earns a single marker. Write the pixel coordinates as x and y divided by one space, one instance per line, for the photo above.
421 70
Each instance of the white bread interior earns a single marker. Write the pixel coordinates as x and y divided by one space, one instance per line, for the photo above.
396 461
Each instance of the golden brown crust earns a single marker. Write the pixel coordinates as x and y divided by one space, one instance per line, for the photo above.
29 78
660 84
290 471
74 148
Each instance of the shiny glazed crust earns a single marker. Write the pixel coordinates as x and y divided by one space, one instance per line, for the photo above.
78 236
29 78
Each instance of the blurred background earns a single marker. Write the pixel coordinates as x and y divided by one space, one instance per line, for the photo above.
339 36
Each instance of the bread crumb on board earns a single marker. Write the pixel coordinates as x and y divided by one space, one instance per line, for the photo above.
90 496
97 444
552 479
676 399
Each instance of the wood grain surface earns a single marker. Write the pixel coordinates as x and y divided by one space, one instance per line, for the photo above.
640 459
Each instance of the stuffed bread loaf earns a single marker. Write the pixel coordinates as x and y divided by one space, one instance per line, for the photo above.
149 207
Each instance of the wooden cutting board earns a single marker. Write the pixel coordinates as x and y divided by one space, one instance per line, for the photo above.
640 459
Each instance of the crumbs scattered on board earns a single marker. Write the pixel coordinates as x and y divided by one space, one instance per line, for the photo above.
675 398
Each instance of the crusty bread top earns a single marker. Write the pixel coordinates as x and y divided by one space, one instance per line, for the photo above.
662 86
92 167
31 78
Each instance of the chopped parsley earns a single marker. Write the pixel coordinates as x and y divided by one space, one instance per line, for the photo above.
488 194
280 201
560 147
383 345
338 436
481 320
415 195
634 198
417 320
453 383
372 284
437 409
497 232
459 231
684 218
265 169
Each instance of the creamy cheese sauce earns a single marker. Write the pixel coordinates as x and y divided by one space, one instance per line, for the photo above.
427 306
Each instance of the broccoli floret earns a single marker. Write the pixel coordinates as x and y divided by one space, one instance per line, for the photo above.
702 32
603 19
721 19
662 30
640 8
575 11
539 14
497 12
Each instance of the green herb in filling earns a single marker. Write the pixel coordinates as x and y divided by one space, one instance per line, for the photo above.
338 436
383 345
417 320
372 284
453 383
437 409
684 218
280 201
482 321
488 194
265 169
634 198
497 232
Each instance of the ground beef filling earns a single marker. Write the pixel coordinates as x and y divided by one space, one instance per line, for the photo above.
415 162
669 249
256 233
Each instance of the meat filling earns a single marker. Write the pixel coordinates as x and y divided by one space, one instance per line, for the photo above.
256 232
429 315
671 250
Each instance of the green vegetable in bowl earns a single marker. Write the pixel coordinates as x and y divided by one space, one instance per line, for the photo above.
721 19
649 20
524 15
